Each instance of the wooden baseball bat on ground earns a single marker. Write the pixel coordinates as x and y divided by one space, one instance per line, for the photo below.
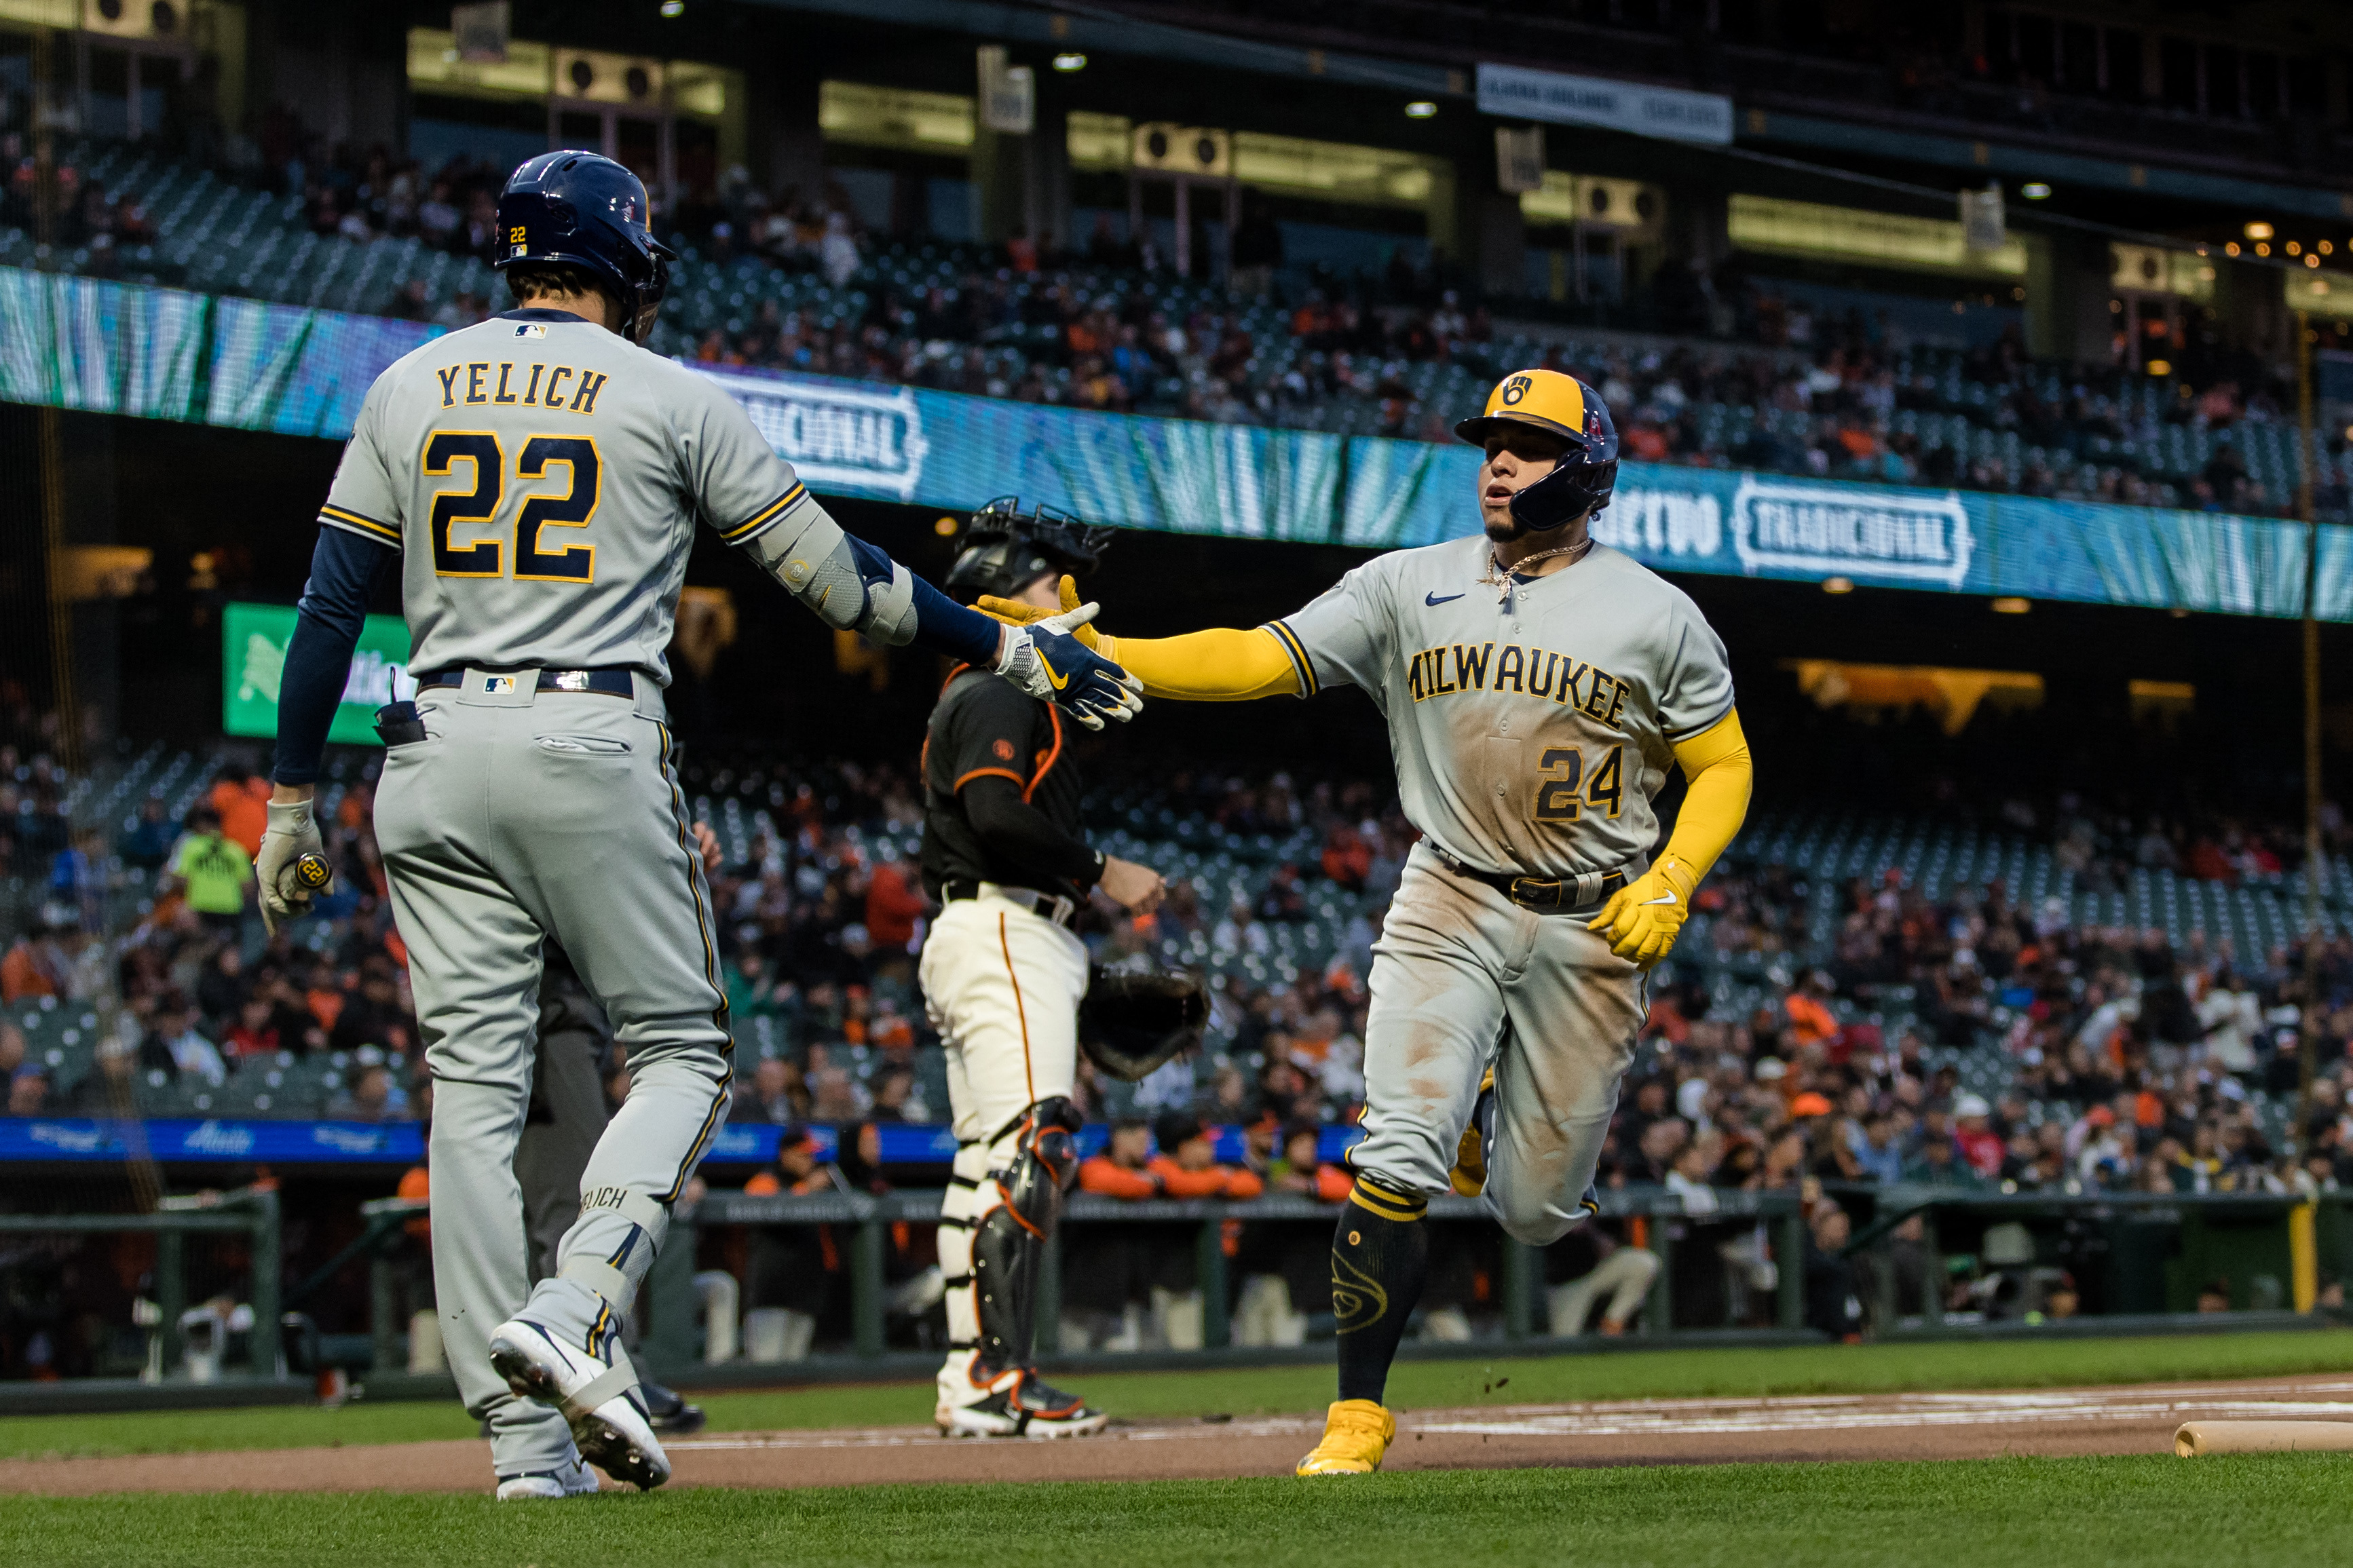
2197 1439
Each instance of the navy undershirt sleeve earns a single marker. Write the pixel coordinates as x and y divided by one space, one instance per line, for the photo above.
344 572
945 627
942 624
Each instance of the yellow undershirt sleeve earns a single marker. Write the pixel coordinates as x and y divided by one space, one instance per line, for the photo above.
1716 763
1221 665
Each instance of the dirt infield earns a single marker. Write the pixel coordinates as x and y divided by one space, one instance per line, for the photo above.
2127 1420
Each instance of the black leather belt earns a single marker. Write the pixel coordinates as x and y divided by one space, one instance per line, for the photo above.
1054 907
1543 895
610 680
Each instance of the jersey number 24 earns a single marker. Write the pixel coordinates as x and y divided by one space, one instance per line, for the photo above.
1564 790
474 508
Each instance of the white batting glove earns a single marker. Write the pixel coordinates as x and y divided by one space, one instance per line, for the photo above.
288 883
1048 662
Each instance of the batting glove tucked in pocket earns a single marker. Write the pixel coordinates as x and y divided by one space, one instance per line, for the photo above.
1047 662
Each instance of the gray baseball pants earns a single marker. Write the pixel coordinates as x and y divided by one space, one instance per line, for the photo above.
525 814
1464 979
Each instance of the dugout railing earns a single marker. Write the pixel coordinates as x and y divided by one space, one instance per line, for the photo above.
2140 1254
2273 1252
1203 1225
249 1214
2159 1251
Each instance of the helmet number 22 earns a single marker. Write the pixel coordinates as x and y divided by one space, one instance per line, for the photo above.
1566 788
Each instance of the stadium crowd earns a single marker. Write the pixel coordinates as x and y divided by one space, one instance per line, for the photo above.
2129 1053
1733 367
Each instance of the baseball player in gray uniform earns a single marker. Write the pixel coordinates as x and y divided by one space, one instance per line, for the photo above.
538 478
1537 687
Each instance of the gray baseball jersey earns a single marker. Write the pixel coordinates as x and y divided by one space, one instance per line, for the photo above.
1530 728
542 476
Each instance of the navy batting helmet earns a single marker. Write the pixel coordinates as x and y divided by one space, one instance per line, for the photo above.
1004 550
1559 405
584 210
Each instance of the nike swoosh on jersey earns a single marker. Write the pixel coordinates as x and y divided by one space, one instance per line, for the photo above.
1666 897
1435 599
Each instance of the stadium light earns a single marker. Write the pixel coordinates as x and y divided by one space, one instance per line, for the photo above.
2158 367
673 8
1072 61
1838 585
2035 191
2010 606
946 528
1420 108
2259 230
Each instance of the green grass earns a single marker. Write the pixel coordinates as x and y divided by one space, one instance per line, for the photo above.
1423 1384
2144 1512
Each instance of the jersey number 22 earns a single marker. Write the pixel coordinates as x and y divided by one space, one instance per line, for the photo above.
478 506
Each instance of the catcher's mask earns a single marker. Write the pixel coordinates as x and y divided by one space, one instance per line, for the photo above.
1137 1016
1559 405
1003 550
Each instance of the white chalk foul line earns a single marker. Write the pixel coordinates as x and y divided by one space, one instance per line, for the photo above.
1677 1417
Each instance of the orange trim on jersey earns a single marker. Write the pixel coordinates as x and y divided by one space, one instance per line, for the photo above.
1053 757
1005 945
986 773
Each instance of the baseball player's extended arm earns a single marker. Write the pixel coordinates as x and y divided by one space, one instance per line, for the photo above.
1643 918
344 572
1224 664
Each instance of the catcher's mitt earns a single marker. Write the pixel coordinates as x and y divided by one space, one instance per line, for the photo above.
1136 1016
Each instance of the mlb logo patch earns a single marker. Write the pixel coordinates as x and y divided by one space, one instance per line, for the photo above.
498 685
531 329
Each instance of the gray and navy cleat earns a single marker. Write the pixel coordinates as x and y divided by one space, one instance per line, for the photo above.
589 1378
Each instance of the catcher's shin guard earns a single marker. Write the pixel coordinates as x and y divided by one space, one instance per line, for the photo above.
1003 1202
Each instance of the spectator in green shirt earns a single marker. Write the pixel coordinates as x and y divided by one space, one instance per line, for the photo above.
212 870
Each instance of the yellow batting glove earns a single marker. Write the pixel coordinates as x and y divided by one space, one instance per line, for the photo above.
1643 918
1018 615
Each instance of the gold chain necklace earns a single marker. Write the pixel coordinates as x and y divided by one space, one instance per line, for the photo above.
1503 579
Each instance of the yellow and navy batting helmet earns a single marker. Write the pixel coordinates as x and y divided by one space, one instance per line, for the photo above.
1560 406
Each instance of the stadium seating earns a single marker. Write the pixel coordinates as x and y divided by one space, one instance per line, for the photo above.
2029 427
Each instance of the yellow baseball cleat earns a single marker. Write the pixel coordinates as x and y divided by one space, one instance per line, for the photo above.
1356 1433
1469 1177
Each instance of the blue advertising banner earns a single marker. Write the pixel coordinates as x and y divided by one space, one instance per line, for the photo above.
403 1142
80 343
215 1143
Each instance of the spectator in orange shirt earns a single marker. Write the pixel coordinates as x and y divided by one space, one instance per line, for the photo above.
1811 1019
1300 1171
1347 859
1188 1165
33 966
797 1169
242 798
796 1267
893 902
1121 1169
1645 442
